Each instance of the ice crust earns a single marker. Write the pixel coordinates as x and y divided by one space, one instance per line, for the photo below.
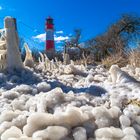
75 103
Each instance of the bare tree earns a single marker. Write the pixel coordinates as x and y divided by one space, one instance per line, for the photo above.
117 37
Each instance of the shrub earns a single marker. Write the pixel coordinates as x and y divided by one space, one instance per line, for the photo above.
134 57
115 59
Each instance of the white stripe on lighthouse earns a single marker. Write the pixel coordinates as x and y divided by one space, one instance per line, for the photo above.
50 34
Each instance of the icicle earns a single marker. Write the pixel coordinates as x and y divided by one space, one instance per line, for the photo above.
29 58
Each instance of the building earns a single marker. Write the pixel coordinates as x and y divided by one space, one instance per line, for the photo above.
50 45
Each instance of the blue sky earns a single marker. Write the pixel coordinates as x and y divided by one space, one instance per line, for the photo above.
92 16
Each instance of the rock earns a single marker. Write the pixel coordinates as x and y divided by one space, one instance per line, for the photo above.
43 87
79 133
119 76
52 133
13 132
129 131
37 121
124 121
109 132
10 95
137 128
129 137
8 116
90 127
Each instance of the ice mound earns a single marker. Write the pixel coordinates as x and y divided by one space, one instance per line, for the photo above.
8 116
137 72
124 121
20 121
43 87
71 69
64 102
13 132
52 133
18 104
119 76
4 126
71 117
106 117
109 132
24 89
129 131
10 95
38 121
79 133
50 99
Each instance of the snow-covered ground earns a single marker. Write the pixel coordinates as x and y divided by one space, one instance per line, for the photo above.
70 102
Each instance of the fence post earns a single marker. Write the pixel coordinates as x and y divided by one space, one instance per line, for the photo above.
14 60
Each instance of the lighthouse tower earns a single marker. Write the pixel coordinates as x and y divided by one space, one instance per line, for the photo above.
50 48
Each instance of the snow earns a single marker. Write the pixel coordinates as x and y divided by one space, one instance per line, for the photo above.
70 102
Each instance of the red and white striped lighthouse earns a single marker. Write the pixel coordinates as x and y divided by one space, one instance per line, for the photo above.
50 47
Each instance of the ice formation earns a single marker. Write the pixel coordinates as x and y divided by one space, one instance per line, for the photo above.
3 51
12 44
10 57
120 76
55 101
28 58
64 105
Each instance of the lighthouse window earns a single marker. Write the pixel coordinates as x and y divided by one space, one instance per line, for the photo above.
50 21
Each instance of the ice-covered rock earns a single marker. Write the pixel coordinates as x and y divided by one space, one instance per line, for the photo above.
13 132
23 89
20 121
119 76
79 133
52 133
137 72
71 69
18 104
129 137
109 132
124 121
8 116
129 131
10 95
137 128
43 87
4 126
104 117
38 121
90 127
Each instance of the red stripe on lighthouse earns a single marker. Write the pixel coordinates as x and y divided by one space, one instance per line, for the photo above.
49 44
49 26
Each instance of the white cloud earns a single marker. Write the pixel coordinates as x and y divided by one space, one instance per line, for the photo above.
58 39
59 32
1 8
40 37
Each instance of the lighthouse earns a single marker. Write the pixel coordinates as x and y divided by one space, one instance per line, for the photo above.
50 47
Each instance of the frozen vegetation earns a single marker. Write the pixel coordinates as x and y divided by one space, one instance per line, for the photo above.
70 102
